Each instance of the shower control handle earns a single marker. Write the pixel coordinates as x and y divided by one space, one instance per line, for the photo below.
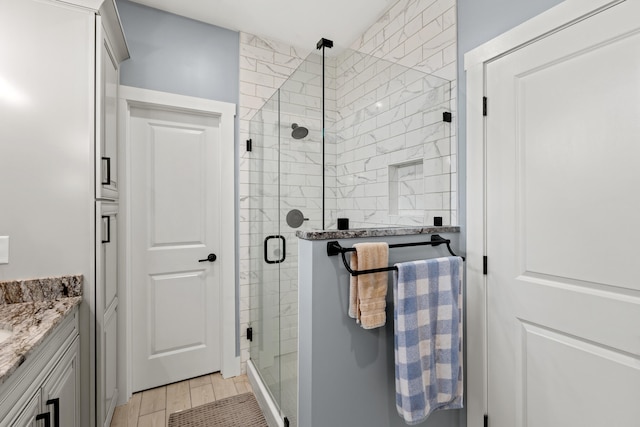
210 258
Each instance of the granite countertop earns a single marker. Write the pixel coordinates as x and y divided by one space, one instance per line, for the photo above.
374 232
31 309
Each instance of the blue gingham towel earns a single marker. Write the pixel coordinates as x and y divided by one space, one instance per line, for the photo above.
427 314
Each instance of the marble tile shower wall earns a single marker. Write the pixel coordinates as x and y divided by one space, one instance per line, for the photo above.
394 163
420 34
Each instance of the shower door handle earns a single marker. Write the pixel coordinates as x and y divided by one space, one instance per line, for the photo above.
284 249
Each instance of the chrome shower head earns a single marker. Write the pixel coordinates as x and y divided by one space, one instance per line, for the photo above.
298 132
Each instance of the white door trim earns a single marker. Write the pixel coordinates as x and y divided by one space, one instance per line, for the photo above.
130 96
554 19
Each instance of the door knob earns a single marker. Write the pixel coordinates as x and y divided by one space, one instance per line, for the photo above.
210 258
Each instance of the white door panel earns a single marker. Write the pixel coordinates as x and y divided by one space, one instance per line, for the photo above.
566 391
185 292
563 297
175 221
577 131
177 199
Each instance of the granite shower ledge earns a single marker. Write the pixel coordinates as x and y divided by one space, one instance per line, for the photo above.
374 232
31 310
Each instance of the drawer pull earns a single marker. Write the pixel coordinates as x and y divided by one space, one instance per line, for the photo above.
46 417
56 411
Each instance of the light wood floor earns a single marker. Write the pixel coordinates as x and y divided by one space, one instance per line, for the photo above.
151 408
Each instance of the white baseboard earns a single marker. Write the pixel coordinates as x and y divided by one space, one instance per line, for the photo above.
268 406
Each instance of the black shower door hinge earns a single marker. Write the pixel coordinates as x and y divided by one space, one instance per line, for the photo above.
250 334
286 422
484 105
484 264
249 144
447 117
486 421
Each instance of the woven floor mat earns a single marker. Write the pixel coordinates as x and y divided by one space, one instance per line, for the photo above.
236 411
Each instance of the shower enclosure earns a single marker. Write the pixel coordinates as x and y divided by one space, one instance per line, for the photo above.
348 135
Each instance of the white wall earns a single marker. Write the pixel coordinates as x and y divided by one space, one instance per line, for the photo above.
46 142
46 149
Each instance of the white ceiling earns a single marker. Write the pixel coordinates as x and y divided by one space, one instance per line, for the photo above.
300 23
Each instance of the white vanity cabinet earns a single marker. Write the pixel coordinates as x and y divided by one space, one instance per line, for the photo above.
45 390
29 413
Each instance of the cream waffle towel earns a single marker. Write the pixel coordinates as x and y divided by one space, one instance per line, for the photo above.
368 292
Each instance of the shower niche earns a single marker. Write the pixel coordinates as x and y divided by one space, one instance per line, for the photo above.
406 189
347 135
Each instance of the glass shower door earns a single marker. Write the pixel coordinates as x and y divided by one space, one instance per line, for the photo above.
300 205
286 195
265 247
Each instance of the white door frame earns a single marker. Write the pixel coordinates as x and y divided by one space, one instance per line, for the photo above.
554 19
131 96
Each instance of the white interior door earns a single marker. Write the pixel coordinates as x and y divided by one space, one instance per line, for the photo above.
563 289
175 164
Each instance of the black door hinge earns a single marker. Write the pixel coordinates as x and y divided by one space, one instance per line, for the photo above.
484 264
447 117
250 334
486 421
484 105
249 144
286 422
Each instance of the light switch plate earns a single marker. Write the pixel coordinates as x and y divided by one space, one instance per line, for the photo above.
4 249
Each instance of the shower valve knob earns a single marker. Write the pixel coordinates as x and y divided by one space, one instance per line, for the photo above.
210 258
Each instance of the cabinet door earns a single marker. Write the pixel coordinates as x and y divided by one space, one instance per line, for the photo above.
106 117
64 385
107 251
27 417
106 311
110 395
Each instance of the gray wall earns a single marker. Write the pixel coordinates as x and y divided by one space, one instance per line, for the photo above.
170 53
346 373
479 21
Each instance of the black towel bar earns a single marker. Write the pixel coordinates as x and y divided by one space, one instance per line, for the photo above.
334 248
